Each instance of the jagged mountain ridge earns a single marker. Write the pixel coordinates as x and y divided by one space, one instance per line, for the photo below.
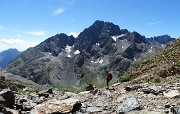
56 44
163 39
7 55
65 60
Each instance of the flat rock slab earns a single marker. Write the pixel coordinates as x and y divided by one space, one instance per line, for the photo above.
172 94
64 106
155 111
93 109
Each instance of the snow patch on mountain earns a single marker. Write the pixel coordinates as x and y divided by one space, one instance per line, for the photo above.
99 60
97 44
77 52
150 50
117 36
108 31
68 50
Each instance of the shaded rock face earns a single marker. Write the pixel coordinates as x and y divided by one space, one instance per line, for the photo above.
64 60
135 37
134 51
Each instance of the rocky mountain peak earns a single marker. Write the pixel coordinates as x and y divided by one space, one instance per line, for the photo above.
107 28
98 32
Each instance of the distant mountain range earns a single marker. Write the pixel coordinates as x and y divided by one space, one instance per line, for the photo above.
65 60
7 56
164 39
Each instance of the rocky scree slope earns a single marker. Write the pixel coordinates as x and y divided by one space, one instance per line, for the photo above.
121 98
65 60
17 82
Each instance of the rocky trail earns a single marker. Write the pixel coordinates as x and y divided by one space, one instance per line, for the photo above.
120 98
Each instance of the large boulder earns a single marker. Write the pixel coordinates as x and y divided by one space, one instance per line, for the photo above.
151 89
2 78
172 94
130 103
89 87
7 98
133 88
3 85
174 110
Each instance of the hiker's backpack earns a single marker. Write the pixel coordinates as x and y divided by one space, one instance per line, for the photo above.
109 76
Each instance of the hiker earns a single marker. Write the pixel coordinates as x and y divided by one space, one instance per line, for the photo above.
108 78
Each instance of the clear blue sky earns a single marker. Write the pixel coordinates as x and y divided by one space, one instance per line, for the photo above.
25 23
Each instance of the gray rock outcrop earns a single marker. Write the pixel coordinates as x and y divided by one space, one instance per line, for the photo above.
130 103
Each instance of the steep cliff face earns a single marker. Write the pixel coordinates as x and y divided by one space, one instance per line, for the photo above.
65 60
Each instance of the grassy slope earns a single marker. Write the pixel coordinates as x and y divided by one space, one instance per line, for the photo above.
161 65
